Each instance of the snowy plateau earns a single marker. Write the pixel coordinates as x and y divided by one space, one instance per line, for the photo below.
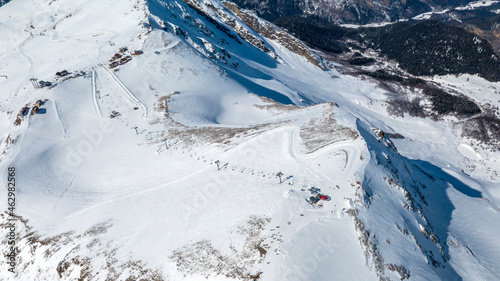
191 140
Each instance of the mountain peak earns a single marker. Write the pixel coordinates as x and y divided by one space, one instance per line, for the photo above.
189 140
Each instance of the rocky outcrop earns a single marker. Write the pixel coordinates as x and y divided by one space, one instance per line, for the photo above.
272 32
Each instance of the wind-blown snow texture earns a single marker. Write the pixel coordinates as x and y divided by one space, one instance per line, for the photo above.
182 183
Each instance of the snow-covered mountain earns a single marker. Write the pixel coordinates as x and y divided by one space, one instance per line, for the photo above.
349 11
192 140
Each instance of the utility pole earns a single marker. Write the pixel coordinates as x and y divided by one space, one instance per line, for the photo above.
165 141
34 82
218 167
279 174
136 132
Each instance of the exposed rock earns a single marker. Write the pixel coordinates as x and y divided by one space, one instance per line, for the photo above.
270 31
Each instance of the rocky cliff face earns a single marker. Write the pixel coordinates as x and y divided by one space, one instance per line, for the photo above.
490 32
269 31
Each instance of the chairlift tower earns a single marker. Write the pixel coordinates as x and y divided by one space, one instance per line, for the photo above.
165 141
279 174
34 82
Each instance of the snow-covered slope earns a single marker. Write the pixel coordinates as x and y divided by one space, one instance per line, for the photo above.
222 127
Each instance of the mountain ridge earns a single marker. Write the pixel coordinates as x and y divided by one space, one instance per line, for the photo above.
358 12
202 156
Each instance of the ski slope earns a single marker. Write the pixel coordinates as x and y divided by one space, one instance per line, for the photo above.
186 186
95 95
127 91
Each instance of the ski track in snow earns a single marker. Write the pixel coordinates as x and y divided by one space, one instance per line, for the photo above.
173 44
289 147
232 168
19 143
291 143
128 92
56 111
30 71
94 94
132 195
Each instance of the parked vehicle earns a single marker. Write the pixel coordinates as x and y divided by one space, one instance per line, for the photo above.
24 111
114 114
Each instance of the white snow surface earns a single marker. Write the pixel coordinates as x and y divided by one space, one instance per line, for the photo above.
183 184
